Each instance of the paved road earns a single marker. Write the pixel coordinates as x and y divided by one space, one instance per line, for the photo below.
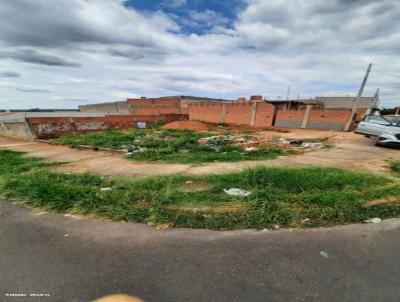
80 259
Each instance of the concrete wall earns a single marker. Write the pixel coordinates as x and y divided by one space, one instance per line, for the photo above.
112 107
157 106
15 128
346 102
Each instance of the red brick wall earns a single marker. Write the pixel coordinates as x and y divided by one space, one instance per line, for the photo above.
289 118
328 119
290 115
264 115
208 112
238 113
360 114
48 127
336 116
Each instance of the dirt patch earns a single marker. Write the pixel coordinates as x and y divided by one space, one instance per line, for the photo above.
351 151
228 207
191 186
187 125
383 201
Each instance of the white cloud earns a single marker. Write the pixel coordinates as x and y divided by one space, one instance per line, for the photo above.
316 47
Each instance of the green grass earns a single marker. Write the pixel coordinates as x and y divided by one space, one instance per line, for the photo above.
283 196
394 165
173 146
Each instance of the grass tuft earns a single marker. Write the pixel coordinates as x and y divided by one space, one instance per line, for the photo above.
394 165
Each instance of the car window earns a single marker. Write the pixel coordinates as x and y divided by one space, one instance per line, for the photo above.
395 120
375 119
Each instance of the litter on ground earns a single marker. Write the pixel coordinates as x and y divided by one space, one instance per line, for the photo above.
237 192
373 220
324 254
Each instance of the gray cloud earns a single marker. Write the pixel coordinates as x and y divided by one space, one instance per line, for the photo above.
66 23
34 57
32 90
317 47
9 74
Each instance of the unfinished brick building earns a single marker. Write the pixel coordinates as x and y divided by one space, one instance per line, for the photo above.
132 113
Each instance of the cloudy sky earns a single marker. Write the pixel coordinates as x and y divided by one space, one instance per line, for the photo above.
61 53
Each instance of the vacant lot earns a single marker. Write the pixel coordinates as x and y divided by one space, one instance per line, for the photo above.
288 197
179 146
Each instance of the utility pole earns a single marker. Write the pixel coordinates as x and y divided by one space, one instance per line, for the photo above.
376 98
287 97
357 99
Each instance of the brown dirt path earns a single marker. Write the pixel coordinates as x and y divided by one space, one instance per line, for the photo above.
352 151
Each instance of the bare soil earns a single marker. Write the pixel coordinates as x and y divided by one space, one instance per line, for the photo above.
187 125
351 151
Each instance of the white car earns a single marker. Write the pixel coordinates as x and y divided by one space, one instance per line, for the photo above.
385 132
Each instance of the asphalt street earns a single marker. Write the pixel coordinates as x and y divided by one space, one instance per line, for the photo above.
68 258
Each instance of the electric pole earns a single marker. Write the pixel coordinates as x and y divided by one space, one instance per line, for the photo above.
357 99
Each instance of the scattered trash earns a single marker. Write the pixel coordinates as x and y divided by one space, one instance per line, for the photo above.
250 149
299 144
150 223
66 235
305 220
276 226
163 226
188 182
265 230
215 148
283 141
306 145
237 192
141 125
132 149
105 189
373 220
324 254
296 142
